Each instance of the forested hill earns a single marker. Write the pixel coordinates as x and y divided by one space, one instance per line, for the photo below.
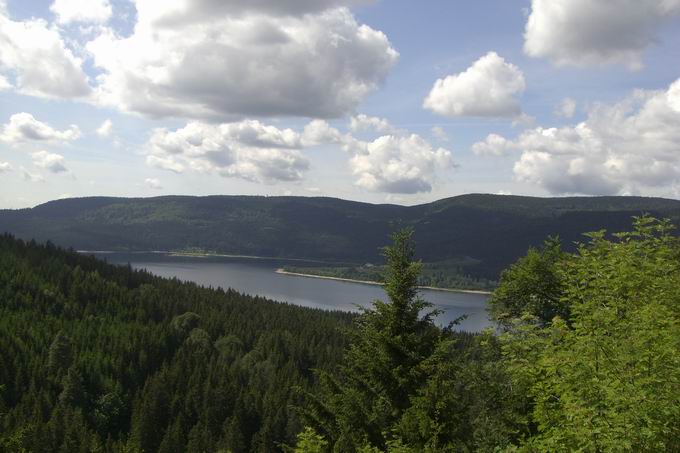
95 357
485 232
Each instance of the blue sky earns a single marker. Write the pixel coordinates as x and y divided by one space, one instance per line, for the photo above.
380 101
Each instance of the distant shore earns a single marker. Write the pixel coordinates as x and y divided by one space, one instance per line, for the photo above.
280 270
372 282
200 255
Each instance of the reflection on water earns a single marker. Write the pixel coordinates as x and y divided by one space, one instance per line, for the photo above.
258 276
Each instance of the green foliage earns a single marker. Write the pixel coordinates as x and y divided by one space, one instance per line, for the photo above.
587 359
73 392
59 356
185 322
492 231
532 286
609 380
448 274
308 441
96 357
396 388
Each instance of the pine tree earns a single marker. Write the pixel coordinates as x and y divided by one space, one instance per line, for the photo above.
73 393
59 356
386 363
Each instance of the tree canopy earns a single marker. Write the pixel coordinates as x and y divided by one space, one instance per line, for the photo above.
585 356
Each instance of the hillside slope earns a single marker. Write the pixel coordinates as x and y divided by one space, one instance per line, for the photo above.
103 358
492 230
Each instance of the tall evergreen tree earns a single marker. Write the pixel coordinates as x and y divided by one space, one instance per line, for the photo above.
59 356
386 363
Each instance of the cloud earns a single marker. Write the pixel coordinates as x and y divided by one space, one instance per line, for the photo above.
319 132
31 177
488 88
586 32
566 109
106 129
153 183
182 11
257 152
201 65
631 147
4 83
440 133
493 145
38 57
249 150
23 127
54 163
5 167
90 11
398 164
363 122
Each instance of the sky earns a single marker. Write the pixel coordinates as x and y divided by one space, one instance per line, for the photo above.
384 101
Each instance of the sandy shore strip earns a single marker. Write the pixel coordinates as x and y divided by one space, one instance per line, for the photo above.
370 282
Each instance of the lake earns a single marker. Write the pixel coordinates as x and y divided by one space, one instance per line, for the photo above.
258 276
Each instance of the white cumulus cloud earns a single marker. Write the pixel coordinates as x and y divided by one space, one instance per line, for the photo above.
397 164
319 132
52 162
5 167
488 88
89 11
153 183
249 150
40 60
362 122
587 32
23 127
106 129
493 145
631 147
229 63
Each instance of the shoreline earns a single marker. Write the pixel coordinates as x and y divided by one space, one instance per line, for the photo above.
372 282
281 270
201 255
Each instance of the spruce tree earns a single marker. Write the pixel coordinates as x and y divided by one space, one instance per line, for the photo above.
386 363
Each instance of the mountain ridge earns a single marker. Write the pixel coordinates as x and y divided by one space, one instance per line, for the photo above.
492 230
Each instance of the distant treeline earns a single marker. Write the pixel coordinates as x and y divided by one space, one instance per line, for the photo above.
492 231
448 275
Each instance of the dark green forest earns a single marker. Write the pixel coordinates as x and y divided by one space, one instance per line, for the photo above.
585 356
446 274
486 233
95 357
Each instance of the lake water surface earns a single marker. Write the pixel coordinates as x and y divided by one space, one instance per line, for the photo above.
258 276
